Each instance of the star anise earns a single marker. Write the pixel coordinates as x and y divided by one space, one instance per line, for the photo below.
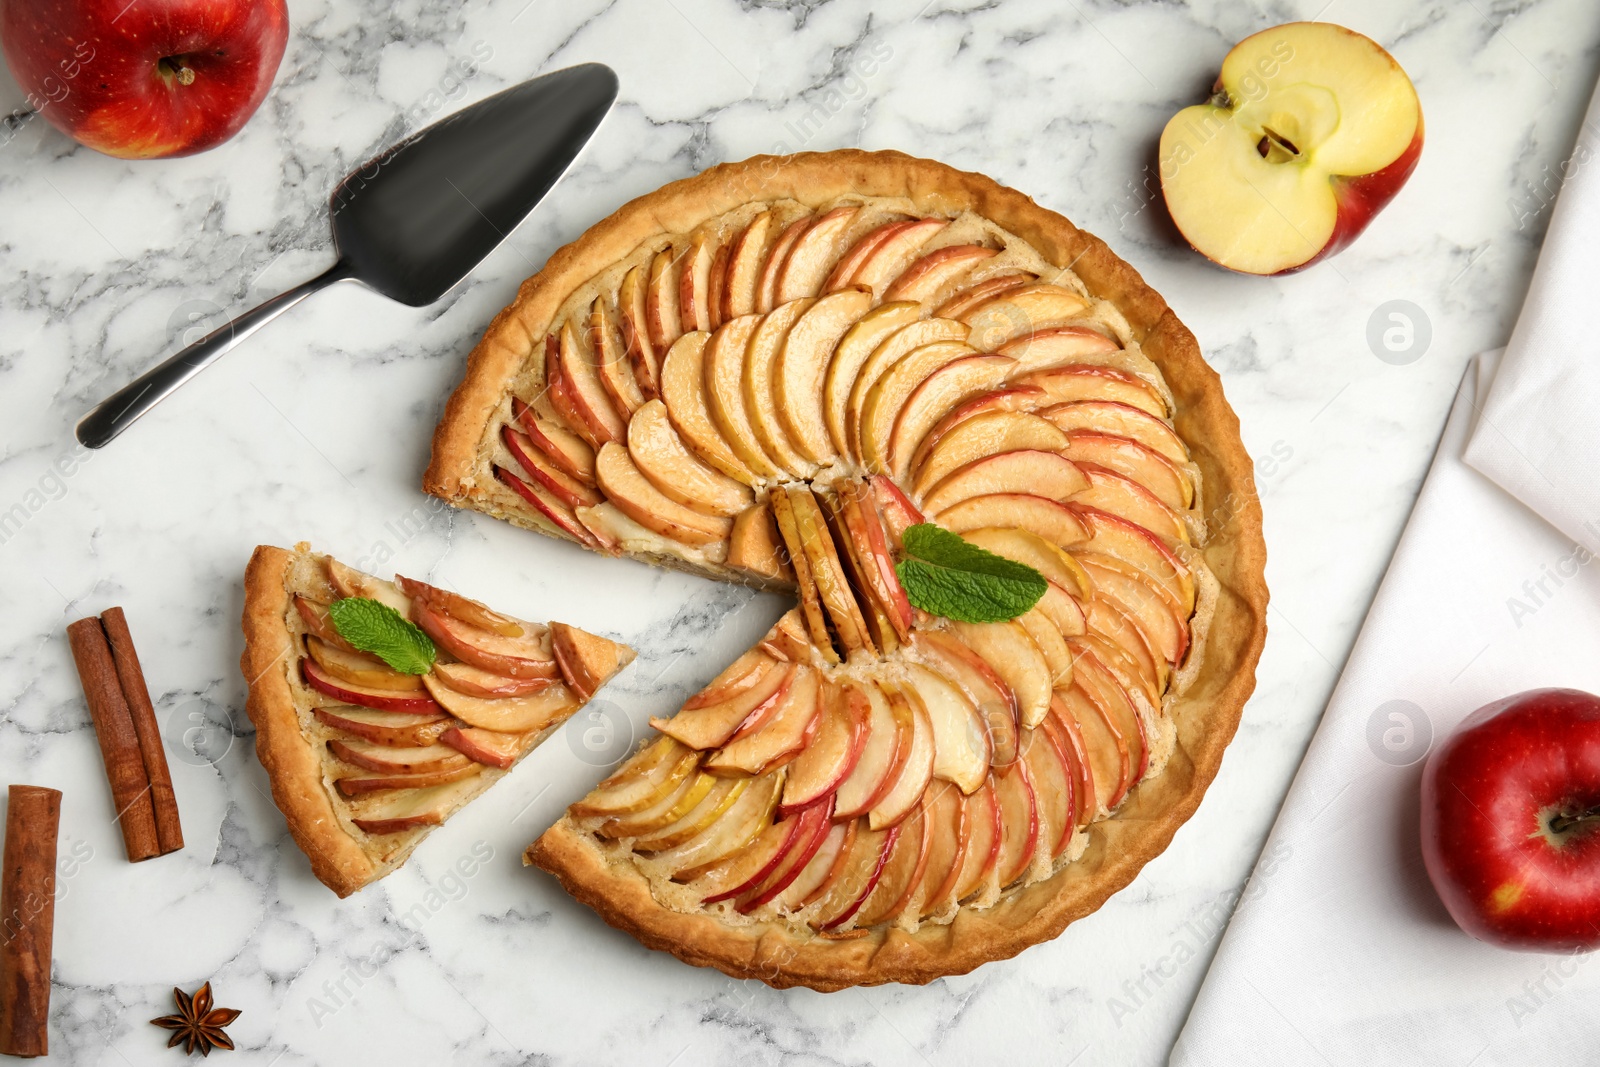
197 1022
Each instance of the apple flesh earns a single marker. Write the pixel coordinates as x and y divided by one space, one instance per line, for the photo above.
1310 131
146 80
1511 822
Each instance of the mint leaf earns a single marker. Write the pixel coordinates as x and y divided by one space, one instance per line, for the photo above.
379 629
946 575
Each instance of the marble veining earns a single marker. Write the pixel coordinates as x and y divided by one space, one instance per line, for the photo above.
318 429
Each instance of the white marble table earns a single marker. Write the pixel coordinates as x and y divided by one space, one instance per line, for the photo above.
318 429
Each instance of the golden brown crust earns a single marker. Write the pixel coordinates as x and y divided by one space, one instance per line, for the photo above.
293 767
1205 711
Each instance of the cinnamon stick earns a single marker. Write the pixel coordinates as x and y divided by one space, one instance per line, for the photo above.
27 919
169 830
119 744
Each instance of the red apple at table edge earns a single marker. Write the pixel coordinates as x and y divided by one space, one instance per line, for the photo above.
1511 822
1310 131
149 79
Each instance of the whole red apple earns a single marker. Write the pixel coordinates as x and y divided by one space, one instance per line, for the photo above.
1310 130
1511 822
145 78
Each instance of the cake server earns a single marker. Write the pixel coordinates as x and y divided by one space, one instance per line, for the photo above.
413 221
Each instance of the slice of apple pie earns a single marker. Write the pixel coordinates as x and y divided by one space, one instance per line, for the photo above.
366 759
770 373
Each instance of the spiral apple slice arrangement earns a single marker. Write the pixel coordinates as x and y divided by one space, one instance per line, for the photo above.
412 699
867 408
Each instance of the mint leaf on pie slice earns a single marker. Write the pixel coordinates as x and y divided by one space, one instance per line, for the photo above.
377 628
946 575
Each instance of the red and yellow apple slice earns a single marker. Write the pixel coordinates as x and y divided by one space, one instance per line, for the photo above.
1170 482
694 284
754 545
747 255
505 714
641 501
1122 420
1125 498
646 778
1011 653
527 656
611 360
809 260
407 809
355 785
360 669
891 350
1056 523
570 453
633 319
775 735
798 378
926 278
385 727
973 675
415 702
541 469
726 354
760 364
1055 346
1021 312
985 435
709 725
1019 823
1046 474
662 316
834 748
1087 381
961 744
940 393
974 293
884 401
849 356
777 255
661 455
683 388
386 759
901 874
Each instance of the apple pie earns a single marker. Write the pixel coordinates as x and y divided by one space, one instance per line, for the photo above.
366 760
768 374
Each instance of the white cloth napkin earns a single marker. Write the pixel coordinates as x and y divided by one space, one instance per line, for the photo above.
1538 434
1339 951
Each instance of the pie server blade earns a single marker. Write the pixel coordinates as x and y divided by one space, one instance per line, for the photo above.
413 221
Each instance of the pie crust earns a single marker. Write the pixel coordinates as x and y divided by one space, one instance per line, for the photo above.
1208 695
293 744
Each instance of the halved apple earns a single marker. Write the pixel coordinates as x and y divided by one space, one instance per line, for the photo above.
983 686
1019 823
416 702
940 393
397 812
494 748
1089 381
611 360
1052 521
973 294
557 515
388 759
565 488
985 435
505 714
463 609
778 735
661 455
926 278
683 389
798 378
385 727
360 669
891 350
354 785
740 290
634 320
1169 481
1310 130
1055 346
1008 649
961 743
1125 498
647 776
527 656
902 871
661 300
1122 420
725 357
710 725
641 501
884 401
776 256
694 284
1021 312
754 544
812 256
849 355
569 452
759 368
833 750
1047 474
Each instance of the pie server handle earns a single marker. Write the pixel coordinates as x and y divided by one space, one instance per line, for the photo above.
125 406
